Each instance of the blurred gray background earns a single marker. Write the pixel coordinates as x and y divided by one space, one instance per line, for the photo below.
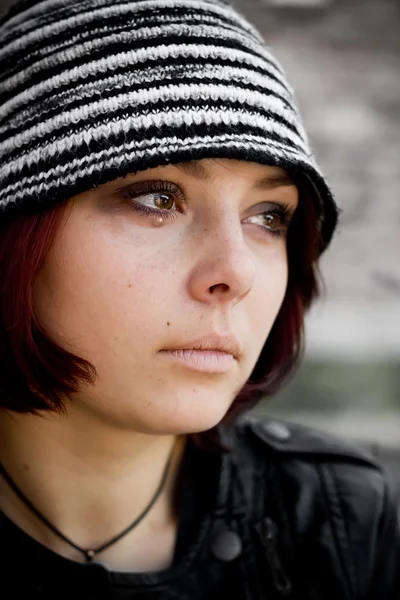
343 59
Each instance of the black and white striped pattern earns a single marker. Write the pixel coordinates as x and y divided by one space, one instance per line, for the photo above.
91 90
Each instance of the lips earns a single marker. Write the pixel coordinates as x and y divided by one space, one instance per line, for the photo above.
212 343
203 361
213 354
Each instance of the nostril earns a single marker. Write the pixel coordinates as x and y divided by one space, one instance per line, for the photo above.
224 287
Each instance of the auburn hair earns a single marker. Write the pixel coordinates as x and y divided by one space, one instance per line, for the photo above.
37 374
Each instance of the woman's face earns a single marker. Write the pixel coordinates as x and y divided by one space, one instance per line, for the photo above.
155 261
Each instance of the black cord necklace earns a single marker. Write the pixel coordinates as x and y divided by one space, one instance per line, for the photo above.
88 554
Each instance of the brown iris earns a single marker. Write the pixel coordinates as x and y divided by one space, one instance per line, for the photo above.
271 221
164 201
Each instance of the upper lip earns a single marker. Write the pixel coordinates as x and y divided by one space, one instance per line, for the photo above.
226 343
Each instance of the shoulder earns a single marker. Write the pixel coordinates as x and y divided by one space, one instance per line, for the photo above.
342 474
292 440
341 471
331 486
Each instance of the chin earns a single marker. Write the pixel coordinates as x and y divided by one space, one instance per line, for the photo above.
177 411
184 422
179 418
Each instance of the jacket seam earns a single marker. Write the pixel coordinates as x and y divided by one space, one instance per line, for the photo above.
289 538
350 563
383 551
337 520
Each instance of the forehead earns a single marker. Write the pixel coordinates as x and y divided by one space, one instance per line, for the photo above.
263 176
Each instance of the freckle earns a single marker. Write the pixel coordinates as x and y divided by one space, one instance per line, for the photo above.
26 467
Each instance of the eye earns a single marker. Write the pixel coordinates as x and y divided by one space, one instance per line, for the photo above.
272 221
275 220
160 199
163 201
156 193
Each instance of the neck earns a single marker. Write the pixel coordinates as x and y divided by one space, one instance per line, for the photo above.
91 483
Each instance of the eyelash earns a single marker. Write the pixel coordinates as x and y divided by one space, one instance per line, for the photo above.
131 193
284 212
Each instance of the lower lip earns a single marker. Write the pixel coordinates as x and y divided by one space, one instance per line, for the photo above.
205 361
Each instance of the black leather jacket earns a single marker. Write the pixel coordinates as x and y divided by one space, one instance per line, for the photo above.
336 533
298 515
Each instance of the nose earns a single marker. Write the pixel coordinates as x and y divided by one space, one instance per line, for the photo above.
225 268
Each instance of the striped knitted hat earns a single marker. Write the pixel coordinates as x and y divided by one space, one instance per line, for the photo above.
91 90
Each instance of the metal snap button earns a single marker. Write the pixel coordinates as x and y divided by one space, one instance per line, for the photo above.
277 430
226 546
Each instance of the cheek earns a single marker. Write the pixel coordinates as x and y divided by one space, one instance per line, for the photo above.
268 292
92 290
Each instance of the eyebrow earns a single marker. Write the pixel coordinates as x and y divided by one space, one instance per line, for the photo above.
197 169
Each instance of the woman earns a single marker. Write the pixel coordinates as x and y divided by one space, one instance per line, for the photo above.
161 223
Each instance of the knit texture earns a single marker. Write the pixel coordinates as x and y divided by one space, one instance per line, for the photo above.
91 90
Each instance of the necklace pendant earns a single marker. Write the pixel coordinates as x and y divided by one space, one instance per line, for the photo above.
90 554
